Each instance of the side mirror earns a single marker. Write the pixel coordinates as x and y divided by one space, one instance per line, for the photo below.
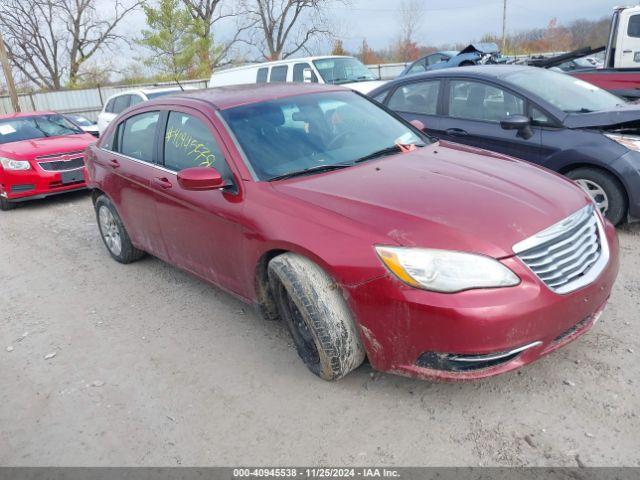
200 178
418 124
307 75
520 123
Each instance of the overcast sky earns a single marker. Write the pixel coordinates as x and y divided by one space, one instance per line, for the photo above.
452 21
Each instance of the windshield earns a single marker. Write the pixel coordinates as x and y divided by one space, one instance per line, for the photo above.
314 131
37 126
342 70
80 120
569 94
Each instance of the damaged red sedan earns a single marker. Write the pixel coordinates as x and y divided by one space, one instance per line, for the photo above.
41 154
365 236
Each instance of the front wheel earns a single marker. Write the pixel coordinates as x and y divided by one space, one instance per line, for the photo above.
317 316
605 191
6 204
113 233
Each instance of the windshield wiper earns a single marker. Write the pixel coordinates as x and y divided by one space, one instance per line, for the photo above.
311 170
384 152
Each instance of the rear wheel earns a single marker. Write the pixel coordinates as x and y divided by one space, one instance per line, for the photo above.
6 204
317 316
604 189
113 233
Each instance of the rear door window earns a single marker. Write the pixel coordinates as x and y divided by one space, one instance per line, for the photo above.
479 101
278 74
110 106
419 97
436 58
121 103
137 136
135 99
262 74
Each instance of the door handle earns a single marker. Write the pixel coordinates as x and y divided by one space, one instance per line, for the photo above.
456 132
626 51
114 163
163 183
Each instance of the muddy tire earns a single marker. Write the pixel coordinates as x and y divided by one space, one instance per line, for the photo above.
113 233
604 189
317 315
6 205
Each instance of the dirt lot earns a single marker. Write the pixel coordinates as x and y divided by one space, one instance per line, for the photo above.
154 367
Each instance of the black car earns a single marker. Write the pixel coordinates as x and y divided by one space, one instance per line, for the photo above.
545 117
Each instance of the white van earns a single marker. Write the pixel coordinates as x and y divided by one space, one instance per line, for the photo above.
336 70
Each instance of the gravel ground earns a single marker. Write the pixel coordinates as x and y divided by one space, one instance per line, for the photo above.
154 367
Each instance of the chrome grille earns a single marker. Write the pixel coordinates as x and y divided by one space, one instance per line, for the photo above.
569 254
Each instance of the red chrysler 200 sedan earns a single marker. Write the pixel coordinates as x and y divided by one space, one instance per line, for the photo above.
364 235
41 154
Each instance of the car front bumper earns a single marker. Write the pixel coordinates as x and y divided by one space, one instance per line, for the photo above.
22 185
404 329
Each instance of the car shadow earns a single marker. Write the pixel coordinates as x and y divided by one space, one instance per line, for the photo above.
52 201
632 228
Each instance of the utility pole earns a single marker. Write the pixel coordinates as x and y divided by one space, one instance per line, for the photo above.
4 60
504 25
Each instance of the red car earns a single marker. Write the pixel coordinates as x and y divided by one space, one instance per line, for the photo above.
41 154
364 235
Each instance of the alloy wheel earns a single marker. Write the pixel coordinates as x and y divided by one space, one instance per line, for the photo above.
596 192
110 230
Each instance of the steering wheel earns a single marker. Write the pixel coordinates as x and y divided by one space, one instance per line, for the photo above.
340 137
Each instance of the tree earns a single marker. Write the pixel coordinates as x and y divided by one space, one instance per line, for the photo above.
49 41
282 28
171 37
206 14
338 48
406 48
367 55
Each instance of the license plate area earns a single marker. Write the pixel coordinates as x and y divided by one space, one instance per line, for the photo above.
73 176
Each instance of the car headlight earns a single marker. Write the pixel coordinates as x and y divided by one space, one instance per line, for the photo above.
632 142
445 270
10 164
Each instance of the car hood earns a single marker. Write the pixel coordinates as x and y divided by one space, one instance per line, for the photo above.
364 87
604 118
29 149
444 196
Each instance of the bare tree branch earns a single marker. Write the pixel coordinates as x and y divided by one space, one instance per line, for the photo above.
49 40
284 27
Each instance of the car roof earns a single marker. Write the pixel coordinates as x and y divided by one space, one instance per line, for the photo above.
146 91
286 61
486 71
159 89
231 96
26 114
